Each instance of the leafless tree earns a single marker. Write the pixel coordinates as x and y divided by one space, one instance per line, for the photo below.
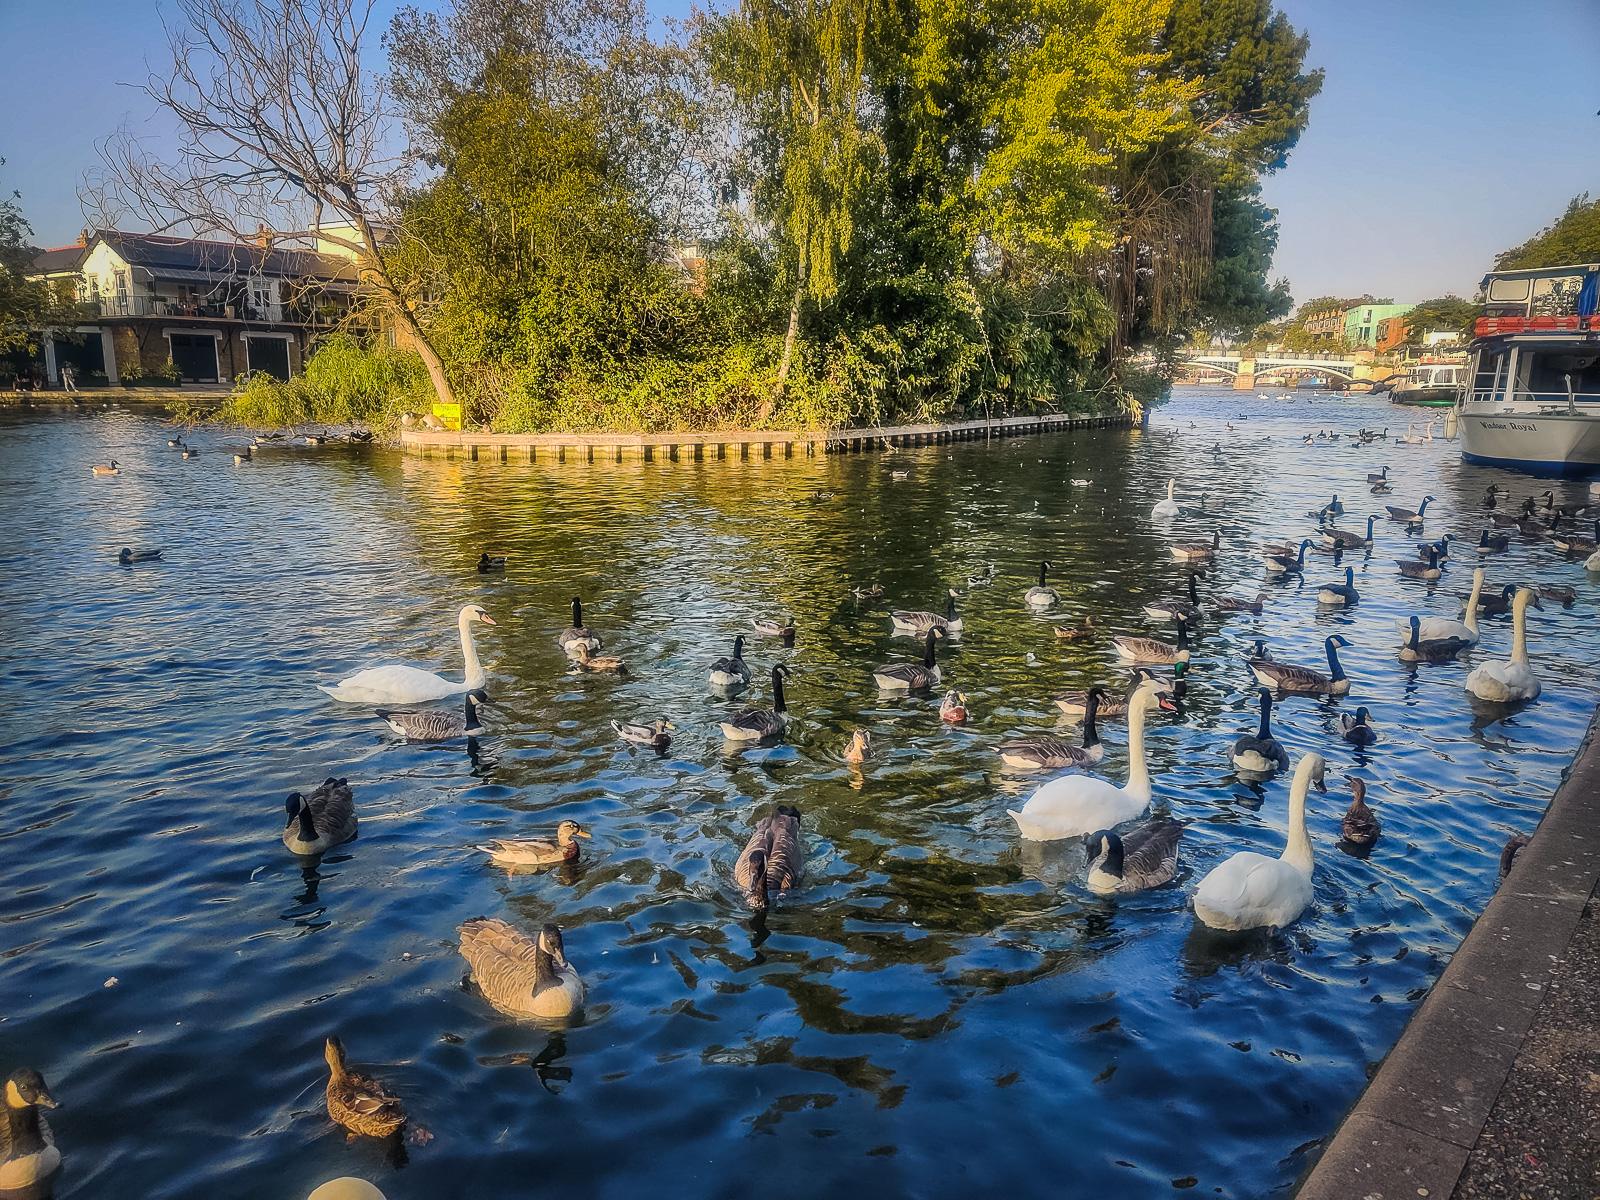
279 124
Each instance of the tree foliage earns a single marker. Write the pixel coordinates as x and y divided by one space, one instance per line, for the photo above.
1446 314
1572 238
28 308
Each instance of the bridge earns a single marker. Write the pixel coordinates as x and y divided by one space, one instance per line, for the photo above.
1244 368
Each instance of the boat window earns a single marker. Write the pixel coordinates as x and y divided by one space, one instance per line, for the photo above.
1556 297
1546 374
1508 291
1490 368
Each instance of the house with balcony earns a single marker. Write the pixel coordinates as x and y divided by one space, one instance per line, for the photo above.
216 310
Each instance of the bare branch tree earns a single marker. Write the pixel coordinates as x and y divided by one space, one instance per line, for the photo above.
279 125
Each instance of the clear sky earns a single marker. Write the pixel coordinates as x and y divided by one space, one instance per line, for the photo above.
1447 129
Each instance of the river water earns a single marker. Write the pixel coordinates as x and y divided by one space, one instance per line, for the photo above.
940 1008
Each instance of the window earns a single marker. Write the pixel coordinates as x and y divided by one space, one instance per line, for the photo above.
121 278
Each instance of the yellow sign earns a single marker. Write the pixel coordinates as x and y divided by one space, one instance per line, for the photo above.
450 414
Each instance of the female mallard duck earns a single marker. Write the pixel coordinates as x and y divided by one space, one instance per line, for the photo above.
113 469
28 1153
127 556
537 852
1493 543
756 724
653 735
1356 730
917 624
733 671
521 976
1252 891
1169 507
1053 754
361 1104
491 562
772 860
859 748
868 593
1564 596
577 634
1082 632
1303 681
1288 564
1041 596
982 578
1260 753
1232 604
1077 804
1345 538
1418 649
1513 680
1153 650
325 819
436 724
1198 551
767 627
902 676
953 708
1413 568
1410 516
1171 610
1145 857
587 660
1360 826
1340 593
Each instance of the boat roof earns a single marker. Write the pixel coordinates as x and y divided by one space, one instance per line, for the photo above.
1540 272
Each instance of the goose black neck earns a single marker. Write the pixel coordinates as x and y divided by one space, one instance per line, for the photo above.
1194 595
1266 716
1091 735
1416 632
472 714
26 1137
308 829
1333 660
577 613
1301 559
1370 520
738 648
927 657
777 691
1042 568
758 877
1349 577
950 608
1113 863
1183 635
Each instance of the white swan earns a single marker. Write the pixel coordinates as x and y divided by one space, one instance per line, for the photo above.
1440 628
1507 682
1168 507
410 685
1079 804
1592 563
1251 890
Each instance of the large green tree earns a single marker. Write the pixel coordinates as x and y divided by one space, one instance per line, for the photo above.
28 308
1574 237
1445 314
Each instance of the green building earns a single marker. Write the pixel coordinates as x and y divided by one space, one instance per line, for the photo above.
1361 324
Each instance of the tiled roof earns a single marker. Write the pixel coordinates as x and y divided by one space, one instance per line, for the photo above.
155 252
63 258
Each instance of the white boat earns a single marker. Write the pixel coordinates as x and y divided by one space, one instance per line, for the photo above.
1431 384
1533 399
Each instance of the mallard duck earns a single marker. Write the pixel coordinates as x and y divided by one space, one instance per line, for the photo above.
732 671
1356 730
1171 609
577 634
1232 604
1145 857
983 578
436 724
767 627
588 660
113 469
521 976
1153 650
1041 596
1360 826
318 822
1197 551
653 735
1303 681
1493 543
900 475
859 748
867 593
1409 516
537 852
1340 593
1418 649
953 708
132 556
361 1104
917 624
772 860
1169 507
1564 596
1513 680
1260 753
244 455
1082 632
1288 564
1346 539
491 562
1576 543
903 676
756 724
1053 754
1413 568
28 1153
1253 891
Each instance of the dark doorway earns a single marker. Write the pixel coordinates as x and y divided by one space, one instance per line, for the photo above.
268 354
88 357
195 357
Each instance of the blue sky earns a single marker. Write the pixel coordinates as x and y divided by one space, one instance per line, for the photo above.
1447 129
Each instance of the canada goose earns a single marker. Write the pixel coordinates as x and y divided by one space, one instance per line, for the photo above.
1493 543
1260 753
362 1105
1360 826
654 735
1440 547
1564 596
1340 593
1076 704
1566 510
772 860
1303 681
1198 551
1077 804
127 556
1408 515
1146 857
902 676
1498 604
1433 649
325 819
1343 538
1288 564
1334 508
1531 528
1082 632
586 659
767 627
28 1153
1153 650
1053 754
1504 520
1168 507
1512 680
1413 568
577 634
537 852
733 671
1576 543
519 975
1356 730
1170 610
917 624
1232 604
1250 890
1379 476
1435 628
436 724
177 441
243 456
1042 596
953 708
491 562
188 452
859 748
755 724
1508 853
111 470
1492 494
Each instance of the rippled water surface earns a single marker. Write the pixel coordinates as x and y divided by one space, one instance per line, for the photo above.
941 1008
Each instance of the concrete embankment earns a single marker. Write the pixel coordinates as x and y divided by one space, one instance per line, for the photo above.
1490 1062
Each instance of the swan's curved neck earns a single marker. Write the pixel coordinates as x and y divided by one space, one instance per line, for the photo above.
475 677
1171 483
1298 851
1471 619
1138 773
1519 628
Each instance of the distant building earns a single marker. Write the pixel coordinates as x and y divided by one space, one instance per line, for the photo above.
1327 325
1392 333
1361 322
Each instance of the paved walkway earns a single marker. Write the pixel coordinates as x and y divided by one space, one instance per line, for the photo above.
1492 1089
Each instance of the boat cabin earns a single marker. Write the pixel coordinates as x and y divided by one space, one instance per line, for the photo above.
1538 344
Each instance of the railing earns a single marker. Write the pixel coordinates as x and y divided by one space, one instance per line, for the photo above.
1543 399
156 306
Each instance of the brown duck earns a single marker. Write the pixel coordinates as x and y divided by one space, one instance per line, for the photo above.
363 1106
1361 825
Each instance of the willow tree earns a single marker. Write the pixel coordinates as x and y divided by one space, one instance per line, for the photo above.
797 68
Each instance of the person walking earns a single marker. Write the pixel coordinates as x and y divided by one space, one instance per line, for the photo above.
67 377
